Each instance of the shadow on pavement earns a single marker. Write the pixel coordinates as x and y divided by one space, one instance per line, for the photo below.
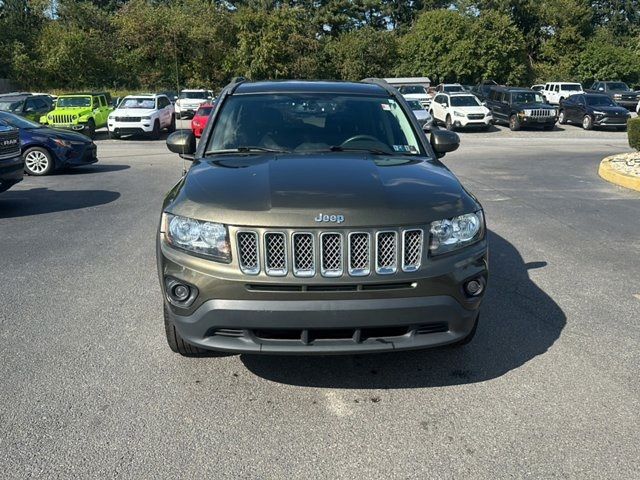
519 321
93 168
36 201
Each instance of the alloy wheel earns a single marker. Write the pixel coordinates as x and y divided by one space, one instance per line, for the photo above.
36 162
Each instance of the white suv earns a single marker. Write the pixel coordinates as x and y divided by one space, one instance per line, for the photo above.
415 92
556 92
456 110
141 114
189 101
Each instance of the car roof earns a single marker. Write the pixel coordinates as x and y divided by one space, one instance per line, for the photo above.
15 95
458 94
513 89
145 95
306 86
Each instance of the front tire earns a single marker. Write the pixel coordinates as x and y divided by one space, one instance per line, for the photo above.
114 135
514 123
37 161
90 129
449 124
177 343
562 119
172 124
155 133
587 122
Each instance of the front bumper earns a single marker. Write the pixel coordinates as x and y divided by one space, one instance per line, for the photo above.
628 104
78 154
11 172
605 121
540 121
130 128
465 122
237 313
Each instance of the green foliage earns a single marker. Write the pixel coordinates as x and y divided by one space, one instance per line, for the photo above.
633 132
449 46
160 44
363 53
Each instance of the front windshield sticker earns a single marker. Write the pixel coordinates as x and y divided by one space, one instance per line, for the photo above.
405 149
385 106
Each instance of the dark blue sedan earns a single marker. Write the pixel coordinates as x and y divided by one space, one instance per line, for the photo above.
47 149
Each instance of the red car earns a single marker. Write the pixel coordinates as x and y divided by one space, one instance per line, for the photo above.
199 120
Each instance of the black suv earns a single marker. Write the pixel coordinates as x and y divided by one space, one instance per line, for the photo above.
26 105
11 163
317 218
593 110
521 107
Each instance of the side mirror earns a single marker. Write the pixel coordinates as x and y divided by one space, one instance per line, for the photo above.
444 141
30 110
182 142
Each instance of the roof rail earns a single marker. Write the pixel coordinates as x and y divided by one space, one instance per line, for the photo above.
381 82
235 83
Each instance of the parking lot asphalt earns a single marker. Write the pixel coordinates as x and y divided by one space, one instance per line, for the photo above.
549 388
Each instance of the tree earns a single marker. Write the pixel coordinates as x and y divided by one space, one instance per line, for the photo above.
363 53
602 59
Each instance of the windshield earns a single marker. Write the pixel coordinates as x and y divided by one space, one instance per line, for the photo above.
411 89
572 87
313 122
71 102
618 86
18 122
135 102
527 97
193 95
415 105
603 101
204 111
11 105
453 88
464 101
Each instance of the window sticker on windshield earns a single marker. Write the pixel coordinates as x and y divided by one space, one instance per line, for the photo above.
385 106
405 149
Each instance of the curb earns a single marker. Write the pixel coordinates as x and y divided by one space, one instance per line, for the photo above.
611 175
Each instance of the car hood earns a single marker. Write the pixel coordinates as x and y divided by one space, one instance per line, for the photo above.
291 190
422 114
71 111
532 106
475 109
416 96
133 112
44 133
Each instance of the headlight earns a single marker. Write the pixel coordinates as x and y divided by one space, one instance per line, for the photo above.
75 117
452 234
210 240
50 117
145 118
196 123
458 114
617 95
62 143
597 112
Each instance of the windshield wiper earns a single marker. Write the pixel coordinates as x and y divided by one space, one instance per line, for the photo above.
375 151
244 150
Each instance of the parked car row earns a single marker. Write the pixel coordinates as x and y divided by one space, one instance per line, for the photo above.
454 106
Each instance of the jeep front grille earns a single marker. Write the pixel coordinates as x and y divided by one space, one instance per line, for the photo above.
330 254
275 256
359 254
540 112
128 119
58 118
248 252
386 253
303 255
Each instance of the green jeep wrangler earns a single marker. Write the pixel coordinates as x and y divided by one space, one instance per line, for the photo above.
83 112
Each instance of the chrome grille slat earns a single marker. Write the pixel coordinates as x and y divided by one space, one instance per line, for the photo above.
412 241
359 254
275 248
303 245
331 256
248 253
386 252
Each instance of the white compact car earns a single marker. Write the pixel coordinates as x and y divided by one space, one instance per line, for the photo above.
415 92
556 92
141 114
459 110
422 114
189 101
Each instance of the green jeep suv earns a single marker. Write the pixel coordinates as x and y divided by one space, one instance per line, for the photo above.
82 112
